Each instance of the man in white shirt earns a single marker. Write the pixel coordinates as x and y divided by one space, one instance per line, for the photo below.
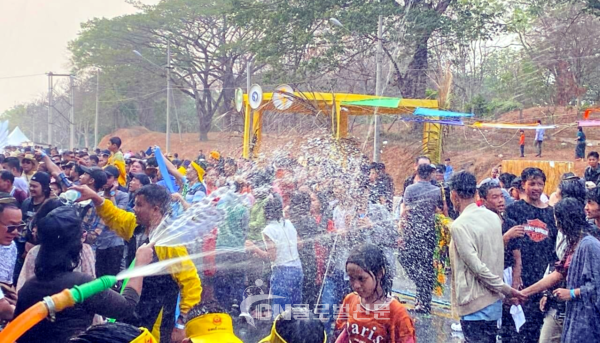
539 138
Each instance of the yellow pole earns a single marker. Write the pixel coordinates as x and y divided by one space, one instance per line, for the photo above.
247 131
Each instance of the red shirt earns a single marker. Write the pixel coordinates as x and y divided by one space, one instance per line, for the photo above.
387 324
522 140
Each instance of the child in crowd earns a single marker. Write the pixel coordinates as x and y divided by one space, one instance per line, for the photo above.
371 314
522 142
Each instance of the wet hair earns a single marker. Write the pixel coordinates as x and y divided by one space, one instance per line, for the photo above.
506 179
425 170
422 157
486 187
573 188
593 195
593 154
299 204
571 220
13 162
116 141
465 184
203 308
108 333
299 325
532 173
371 259
273 209
151 162
7 176
156 195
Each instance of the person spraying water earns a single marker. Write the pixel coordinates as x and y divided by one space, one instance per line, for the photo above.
148 223
60 235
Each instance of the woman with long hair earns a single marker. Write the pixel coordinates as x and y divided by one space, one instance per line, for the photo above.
580 267
59 235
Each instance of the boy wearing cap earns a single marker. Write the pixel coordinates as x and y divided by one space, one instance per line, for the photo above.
29 165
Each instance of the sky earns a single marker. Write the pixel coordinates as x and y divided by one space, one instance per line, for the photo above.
33 41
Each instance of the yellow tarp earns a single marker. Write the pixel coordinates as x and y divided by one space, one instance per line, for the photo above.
552 169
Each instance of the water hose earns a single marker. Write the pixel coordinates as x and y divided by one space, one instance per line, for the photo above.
53 304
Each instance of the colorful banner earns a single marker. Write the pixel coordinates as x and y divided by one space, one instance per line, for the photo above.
420 111
588 123
511 126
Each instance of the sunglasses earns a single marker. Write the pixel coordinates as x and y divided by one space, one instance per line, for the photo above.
19 227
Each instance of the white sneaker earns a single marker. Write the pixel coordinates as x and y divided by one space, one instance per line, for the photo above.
456 327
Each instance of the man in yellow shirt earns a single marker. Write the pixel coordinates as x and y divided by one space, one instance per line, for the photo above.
156 308
116 159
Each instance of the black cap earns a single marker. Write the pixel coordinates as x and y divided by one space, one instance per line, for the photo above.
59 233
42 178
97 174
106 152
112 171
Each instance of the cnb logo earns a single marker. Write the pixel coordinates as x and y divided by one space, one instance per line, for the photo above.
253 295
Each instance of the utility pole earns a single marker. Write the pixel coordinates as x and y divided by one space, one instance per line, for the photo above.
72 115
376 121
97 107
168 97
248 85
32 123
50 108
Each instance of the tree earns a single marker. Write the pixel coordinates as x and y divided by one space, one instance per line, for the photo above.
297 40
208 52
561 40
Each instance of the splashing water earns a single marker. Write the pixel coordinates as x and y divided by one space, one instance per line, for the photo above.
192 224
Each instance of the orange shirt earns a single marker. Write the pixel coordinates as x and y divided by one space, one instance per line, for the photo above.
522 140
386 324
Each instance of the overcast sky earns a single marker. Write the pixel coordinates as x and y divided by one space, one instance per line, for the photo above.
34 36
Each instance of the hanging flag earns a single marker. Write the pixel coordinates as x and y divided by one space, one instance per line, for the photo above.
511 126
433 121
420 111
588 123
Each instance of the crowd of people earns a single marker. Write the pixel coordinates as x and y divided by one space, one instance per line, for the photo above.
310 255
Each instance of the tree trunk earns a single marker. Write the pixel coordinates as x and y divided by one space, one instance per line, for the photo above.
203 126
415 80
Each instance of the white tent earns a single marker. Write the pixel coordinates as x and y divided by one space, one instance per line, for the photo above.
17 137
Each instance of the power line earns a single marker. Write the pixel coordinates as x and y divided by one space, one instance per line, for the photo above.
19 76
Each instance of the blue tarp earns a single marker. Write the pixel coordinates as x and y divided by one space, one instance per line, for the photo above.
437 113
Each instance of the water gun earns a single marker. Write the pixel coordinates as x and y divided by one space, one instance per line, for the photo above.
54 304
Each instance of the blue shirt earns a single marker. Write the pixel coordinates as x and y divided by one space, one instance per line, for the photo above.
490 313
448 173
164 184
539 134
